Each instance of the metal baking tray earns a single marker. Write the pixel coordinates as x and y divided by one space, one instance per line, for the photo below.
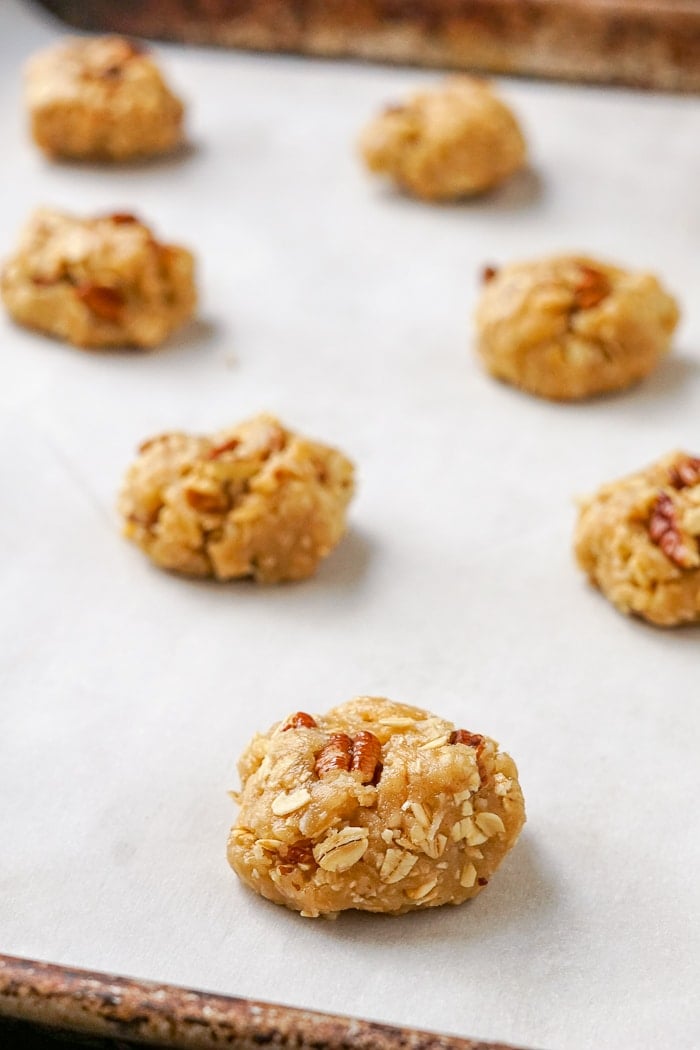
47 1002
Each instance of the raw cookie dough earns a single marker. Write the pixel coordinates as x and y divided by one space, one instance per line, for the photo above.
98 282
569 327
447 142
254 500
101 99
375 806
639 541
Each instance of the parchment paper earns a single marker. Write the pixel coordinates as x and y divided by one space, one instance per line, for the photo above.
127 694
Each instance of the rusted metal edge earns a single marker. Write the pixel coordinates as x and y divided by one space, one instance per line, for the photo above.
105 1006
642 43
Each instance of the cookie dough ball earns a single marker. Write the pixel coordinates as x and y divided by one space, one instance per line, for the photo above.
98 282
639 541
375 806
448 142
570 327
101 99
254 500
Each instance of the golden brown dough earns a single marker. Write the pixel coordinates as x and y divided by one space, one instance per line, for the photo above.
376 806
568 327
101 99
253 500
638 539
99 282
447 142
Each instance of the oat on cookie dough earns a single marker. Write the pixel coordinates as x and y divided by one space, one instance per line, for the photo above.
101 99
375 806
447 142
99 282
638 539
569 327
254 500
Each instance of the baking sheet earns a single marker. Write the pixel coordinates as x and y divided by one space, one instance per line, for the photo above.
645 43
44 996
127 694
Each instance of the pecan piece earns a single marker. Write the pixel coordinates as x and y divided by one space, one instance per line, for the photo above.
360 755
336 754
206 500
366 756
463 736
686 473
225 446
591 288
665 532
299 720
122 217
488 273
293 856
106 303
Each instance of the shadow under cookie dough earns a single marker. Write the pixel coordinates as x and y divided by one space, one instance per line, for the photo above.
162 161
521 893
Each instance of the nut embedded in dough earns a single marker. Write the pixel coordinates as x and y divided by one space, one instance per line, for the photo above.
375 806
100 282
447 142
638 539
254 500
569 327
101 99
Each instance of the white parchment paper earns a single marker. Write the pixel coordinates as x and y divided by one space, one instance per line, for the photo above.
127 694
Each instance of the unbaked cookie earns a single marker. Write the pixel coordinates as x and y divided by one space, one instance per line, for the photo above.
451 141
375 806
254 500
639 541
570 327
98 282
101 99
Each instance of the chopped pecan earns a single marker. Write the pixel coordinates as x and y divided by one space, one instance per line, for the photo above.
300 853
336 754
106 303
488 273
225 446
361 755
591 288
122 217
665 532
462 736
205 500
686 473
482 881
299 720
663 516
366 756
